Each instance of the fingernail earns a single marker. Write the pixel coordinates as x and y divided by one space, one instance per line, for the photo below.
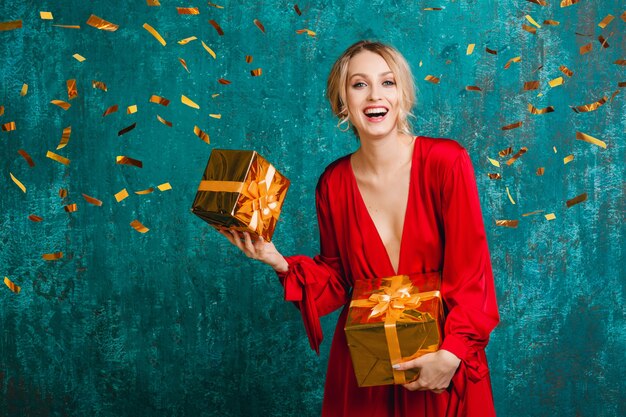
396 367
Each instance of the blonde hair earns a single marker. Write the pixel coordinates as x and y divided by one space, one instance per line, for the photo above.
336 86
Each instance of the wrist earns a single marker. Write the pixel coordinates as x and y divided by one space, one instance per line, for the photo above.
281 266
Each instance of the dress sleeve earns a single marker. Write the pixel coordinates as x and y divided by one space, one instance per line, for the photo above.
467 283
317 286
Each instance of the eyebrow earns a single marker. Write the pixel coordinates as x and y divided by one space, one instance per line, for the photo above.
365 76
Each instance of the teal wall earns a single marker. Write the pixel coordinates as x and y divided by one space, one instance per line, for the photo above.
176 322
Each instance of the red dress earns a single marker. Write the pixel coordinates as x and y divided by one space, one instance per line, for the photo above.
443 231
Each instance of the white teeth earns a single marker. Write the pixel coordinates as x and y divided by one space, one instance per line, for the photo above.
375 110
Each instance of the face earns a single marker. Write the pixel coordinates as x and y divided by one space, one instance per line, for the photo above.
372 95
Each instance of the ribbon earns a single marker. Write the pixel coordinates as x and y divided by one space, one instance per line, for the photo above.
391 303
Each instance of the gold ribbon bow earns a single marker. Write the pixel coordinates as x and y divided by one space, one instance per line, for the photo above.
392 302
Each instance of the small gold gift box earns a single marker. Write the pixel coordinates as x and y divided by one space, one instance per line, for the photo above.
241 190
393 320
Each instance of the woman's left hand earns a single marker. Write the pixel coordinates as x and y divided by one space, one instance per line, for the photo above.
435 371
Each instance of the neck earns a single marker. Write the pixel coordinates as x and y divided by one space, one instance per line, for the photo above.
383 156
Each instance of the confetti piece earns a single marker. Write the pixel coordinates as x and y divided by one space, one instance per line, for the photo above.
164 187
18 183
216 6
616 92
494 162
57 158
473 88
491 51
566 3
68 26
603 42
297 9
136 224
121 195
99 85
24 90
209 50
256 72
531 85
110 110
248 59
187 40
27 157
623 16
590 107
568 159
188 102
127 129
566 70
52 256
508 193
621 62
529 29
131 109
62 192
432 79
535 110
202 135
153 3
188 10
92 200
433 9
258 24
154 33
124 160
159 100
539 2
590 139
101 24
586 48
79 57
223 81
183 63
65 138
72 93
507 223
8 127
551 22
554 148
307 31
519 153
532 21
1 110
512 126
540 171
217 27
470 49
12 286
62 104
550 216
146 191
578 199
71 208
510 61
214 95
34 218
532 212
15 24
556 82
48 15
495 176
215 116
165 122
505 152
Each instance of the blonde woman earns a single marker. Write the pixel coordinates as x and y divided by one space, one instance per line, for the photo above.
400 204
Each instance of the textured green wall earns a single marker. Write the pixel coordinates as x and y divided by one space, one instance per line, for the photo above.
176 322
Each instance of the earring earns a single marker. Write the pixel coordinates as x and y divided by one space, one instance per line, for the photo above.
342 121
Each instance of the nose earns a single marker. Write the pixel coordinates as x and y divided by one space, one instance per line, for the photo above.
374 93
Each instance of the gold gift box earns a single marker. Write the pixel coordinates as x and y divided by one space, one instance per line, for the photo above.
393 320
241 190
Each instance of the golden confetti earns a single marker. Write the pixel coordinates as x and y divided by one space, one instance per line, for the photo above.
187 40
52 256
307 31
164 187
71 208
623 16
507 223
27 157
153 3
515 59
1 110
432 9
508 193
550 216
248 59
72 93
101 24
121 195
209 50
491 51
556 82
608 19
131 109
65 138
566 3
590 139
183 63
432 79
62 104
15 24
146 191
519 153
258 24
554 148
24 90
616 92
214 95
532 212
124 160
550 22
92 200
621 62
539 2
586 48
568 159
99 85
48 15
57 158
165 122
216 6
12 286
535 110
62 192
297 9
566 70
79 57
512 126
494 176
68 26
494 162
159 100
18 183
531 85
590 107
127 129
578 199
188 10
470 49
473 88
223 81
136 224
217 27
540 171
532 21
110 110
505 152
7 127
256 72
35 218
215 116
154 33
202 135
188 102
603 42
529 29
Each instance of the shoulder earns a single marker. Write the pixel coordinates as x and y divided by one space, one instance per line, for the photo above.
334 174
439 155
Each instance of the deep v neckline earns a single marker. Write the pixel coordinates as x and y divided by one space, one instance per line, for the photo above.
406 210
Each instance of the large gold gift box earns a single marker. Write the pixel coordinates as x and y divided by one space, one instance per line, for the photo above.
241 190
393 320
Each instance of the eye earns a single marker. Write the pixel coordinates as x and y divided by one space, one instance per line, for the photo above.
389 83
358 84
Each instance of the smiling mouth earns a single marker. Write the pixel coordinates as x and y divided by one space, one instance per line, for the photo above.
375 113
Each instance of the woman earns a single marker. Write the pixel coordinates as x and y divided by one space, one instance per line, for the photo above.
400 204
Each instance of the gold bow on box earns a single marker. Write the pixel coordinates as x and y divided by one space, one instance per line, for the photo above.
242 190
389 322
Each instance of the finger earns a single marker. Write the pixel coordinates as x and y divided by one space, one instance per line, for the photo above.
403 366
248 243
415 386
227 235
237 239
438 391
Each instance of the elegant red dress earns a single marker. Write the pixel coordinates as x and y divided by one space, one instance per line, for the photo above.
443 231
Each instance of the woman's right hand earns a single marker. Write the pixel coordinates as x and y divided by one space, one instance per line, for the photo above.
259 249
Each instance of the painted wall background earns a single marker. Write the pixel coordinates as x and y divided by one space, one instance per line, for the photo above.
176 322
